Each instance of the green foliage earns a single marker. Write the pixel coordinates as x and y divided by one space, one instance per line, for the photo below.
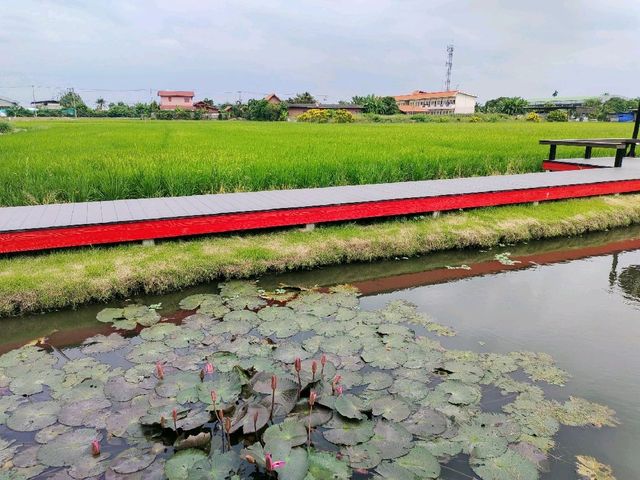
377 105
5 127
558 116
532 117
262 110
305 97
506 105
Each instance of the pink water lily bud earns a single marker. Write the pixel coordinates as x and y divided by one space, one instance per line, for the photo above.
336 379
314 368
227 424
159 371
339 390
209 368
274 382
214 397
272 465
174 414
298 364
95 448
313 396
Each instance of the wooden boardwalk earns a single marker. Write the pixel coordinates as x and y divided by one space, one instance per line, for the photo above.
42 227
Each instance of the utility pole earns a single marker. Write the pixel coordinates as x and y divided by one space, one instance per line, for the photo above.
73 99
449 65
33 96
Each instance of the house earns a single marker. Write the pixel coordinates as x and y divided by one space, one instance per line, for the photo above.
46 104
7 103
437 103
273 98
172 99
209 111
576 105
297 109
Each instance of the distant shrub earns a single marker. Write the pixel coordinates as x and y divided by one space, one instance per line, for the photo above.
532 117
558 116
318 115
475 119
5 127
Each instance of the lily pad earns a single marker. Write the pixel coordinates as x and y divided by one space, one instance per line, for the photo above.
420 462
68 448
364 456
426 423
459 393
350 406
348 432
508 466
324 465
591 469
89 413
104 343
132 460
149 352
481 442
377 380
578 412
296 465
390 408
292 432
177 467
393 471
391 439
34 416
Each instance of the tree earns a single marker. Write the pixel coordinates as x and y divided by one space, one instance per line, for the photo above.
71 99
378 105
506 105
208 101
100 104
305 97
262 110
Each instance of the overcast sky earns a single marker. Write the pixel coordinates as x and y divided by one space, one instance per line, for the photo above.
331 48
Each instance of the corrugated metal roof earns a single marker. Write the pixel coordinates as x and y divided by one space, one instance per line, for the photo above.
175 93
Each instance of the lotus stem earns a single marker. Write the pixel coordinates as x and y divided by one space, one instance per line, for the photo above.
174 414
274 385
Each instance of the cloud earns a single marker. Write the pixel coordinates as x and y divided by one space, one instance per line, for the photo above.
333 48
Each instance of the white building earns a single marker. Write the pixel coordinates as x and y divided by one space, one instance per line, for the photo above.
437 103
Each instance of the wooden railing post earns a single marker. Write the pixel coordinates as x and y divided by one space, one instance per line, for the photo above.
587 152
619 156
552 151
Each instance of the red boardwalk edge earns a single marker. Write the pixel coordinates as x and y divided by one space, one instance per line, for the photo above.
49 238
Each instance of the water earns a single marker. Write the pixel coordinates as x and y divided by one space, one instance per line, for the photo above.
576 299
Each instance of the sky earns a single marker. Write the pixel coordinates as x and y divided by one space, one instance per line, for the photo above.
127 50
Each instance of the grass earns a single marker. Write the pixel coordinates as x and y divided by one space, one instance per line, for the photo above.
74 277
63 161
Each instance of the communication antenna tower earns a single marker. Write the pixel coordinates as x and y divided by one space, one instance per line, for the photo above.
449 67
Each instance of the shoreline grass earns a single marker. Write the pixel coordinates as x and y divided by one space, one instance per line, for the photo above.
62 279
70 161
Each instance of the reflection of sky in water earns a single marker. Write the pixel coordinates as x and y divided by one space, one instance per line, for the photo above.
569 311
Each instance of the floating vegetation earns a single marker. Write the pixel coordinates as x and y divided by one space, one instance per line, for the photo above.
296 384
505 259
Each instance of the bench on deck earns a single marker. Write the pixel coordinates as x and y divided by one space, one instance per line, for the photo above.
625 147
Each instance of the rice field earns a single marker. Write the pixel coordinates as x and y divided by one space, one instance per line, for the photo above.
47 161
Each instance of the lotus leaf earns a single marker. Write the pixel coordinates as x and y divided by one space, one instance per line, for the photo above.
194 301
236 288
88 413
324 465
8 403
227 385
421 462
183 337
119 422
591 469
251 302
26 457
250 419
198 321
319 414
532 453
306 374
342 346
149 352
481 442
291 431
393 471
132 460
104 343
110 315
540 366
221 466
578 412
354 363
141 374
384 359
508 466
119 390
348 432
231 327
85 390
440 330
350 406
363 456
181 385
377 380
288 352
7 450
68 448
391 439
410 389
442 448
31 380
280 328
390 408
426 422
463 371
34 416
159 332
178 466
348 379
507 427
296 465
47 434
459 393
91 467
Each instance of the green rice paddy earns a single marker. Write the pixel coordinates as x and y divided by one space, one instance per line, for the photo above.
47 161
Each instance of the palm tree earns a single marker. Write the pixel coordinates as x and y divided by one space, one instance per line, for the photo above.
100 103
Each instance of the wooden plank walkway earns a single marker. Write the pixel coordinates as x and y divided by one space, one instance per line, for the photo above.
41 227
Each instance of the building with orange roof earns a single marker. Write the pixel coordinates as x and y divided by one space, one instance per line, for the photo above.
273 98
437 103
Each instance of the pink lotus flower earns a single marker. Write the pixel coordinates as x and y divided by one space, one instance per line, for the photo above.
271 465
159 371
339 390
209 368
95 448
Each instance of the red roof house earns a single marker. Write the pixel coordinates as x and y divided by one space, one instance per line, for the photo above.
172 99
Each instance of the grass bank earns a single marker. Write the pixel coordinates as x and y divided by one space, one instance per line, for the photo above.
49 161
70 278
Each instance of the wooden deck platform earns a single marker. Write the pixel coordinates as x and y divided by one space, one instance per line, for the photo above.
42 227
585 163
